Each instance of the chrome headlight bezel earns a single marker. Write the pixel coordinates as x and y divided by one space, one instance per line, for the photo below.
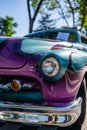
49 67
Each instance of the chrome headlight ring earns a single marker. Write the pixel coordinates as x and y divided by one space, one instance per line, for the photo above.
49 67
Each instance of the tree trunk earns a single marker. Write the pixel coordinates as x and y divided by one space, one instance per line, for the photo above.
31 25
33 18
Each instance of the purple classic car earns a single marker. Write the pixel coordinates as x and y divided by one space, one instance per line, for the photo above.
43 78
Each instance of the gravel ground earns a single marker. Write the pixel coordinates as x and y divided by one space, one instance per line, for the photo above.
85 123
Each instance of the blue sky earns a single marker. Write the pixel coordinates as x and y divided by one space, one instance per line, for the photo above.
18 10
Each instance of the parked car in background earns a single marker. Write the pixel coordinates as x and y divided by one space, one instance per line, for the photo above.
43 78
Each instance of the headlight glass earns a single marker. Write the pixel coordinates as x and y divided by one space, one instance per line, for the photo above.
50 66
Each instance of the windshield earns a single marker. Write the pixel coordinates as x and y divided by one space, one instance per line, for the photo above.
60 35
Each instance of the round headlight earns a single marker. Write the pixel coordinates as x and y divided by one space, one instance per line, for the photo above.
50 66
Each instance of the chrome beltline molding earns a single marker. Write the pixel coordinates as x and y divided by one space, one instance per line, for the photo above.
59 116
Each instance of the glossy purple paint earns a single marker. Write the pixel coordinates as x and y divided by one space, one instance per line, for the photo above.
8 57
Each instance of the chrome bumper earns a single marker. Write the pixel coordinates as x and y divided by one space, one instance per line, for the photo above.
58 116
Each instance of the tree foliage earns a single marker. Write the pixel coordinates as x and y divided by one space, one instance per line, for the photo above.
7 26
34 7
76 11
83 14
73 12
45 22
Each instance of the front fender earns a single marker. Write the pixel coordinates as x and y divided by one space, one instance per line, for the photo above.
79 60
63 63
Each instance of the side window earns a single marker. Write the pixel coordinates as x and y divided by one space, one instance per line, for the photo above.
50 35
84 39
38 35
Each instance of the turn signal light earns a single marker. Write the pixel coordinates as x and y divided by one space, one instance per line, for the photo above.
15 85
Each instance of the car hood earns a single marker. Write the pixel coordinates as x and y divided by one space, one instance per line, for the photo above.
13 50
64 50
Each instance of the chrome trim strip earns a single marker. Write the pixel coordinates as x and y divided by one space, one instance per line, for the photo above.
60 116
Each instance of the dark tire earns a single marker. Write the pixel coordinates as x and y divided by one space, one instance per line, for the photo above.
86 79
78 124
82 93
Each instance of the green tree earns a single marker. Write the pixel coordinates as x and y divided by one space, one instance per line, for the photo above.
45 22
73 12
83 14
33 7
7 26
76 10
